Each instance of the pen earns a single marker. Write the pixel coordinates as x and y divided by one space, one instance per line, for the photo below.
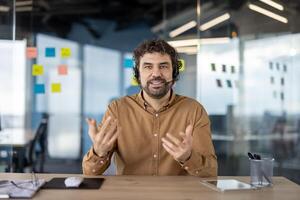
250 156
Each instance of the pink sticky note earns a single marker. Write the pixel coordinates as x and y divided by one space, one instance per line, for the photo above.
62 69
31 52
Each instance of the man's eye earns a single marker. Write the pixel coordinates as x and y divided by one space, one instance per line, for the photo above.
147 66
164 66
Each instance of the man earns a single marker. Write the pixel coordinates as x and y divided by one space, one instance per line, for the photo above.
155 132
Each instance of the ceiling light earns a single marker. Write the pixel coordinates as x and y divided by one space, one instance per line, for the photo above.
195 42
183 28
187 50
273 4
214 22
184 43
24 3
24 9
268 13
4 8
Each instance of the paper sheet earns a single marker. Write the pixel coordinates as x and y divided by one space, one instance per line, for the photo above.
20 188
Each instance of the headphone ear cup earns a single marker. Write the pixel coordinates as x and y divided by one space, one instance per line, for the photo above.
176 71
136 74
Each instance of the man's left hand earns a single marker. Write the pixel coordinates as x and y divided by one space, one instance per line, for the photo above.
180 149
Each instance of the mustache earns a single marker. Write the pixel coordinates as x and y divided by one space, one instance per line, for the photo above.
164 81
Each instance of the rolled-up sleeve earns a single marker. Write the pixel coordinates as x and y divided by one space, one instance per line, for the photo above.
92 164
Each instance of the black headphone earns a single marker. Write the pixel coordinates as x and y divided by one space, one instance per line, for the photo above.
175 74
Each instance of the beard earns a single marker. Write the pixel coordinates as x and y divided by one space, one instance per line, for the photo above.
157 87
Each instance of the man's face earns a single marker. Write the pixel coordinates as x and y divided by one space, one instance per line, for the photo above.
156 74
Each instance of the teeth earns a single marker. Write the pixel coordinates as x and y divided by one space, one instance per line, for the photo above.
156 82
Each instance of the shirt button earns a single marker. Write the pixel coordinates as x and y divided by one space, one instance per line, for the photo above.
101 162
94 170
154 155
197 172
156 115
155 135
186 168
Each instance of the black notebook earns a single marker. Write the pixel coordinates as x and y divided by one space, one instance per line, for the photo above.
88 183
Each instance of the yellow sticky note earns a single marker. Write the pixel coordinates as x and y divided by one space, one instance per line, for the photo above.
65 52
134 81
37 70
55 87
182 68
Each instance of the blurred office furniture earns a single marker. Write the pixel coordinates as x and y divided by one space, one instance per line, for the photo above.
35 158
162 187
13 143
23 149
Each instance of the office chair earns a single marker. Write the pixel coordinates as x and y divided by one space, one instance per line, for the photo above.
38 154
37 150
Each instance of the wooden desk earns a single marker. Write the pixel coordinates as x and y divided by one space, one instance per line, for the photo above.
163 187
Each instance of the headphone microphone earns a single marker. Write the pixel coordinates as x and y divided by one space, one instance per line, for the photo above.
170 81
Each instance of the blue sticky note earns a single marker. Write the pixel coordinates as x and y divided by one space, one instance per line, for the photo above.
39 89
50 52
128 63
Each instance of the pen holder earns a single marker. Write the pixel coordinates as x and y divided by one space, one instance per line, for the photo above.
261 172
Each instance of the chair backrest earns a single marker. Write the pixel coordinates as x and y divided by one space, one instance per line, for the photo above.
40 138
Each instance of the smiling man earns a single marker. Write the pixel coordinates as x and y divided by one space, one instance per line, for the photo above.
155 132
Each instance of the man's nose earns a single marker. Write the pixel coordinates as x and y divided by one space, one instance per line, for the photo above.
156 72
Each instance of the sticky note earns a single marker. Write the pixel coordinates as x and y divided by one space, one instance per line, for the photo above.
128 63
31 52
37 70
55 87
62 69
65 52
50 52
134 81
182 68
39 89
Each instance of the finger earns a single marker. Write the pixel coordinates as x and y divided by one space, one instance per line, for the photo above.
170 151
182 134
187 138
184 141
189 130
169 144
111 130
105 125
92 127
114 137
173 139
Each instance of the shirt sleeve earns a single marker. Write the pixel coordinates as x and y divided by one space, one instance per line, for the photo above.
203 160
92 164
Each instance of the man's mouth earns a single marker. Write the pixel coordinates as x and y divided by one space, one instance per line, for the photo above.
157 83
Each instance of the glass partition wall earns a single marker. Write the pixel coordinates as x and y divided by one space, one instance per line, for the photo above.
240 61
247 80
246 55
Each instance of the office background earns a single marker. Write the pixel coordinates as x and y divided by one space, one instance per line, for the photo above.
66 60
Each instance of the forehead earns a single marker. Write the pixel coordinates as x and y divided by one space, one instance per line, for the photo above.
155 58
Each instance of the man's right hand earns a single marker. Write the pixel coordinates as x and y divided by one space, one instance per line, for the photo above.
103 137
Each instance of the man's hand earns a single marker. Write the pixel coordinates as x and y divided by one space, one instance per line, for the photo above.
104 137
180 149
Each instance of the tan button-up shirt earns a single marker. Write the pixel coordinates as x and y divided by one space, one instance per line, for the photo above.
139 150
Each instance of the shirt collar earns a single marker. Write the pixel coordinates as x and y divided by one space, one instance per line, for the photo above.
140 99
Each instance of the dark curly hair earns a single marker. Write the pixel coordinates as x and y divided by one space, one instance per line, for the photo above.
158 46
